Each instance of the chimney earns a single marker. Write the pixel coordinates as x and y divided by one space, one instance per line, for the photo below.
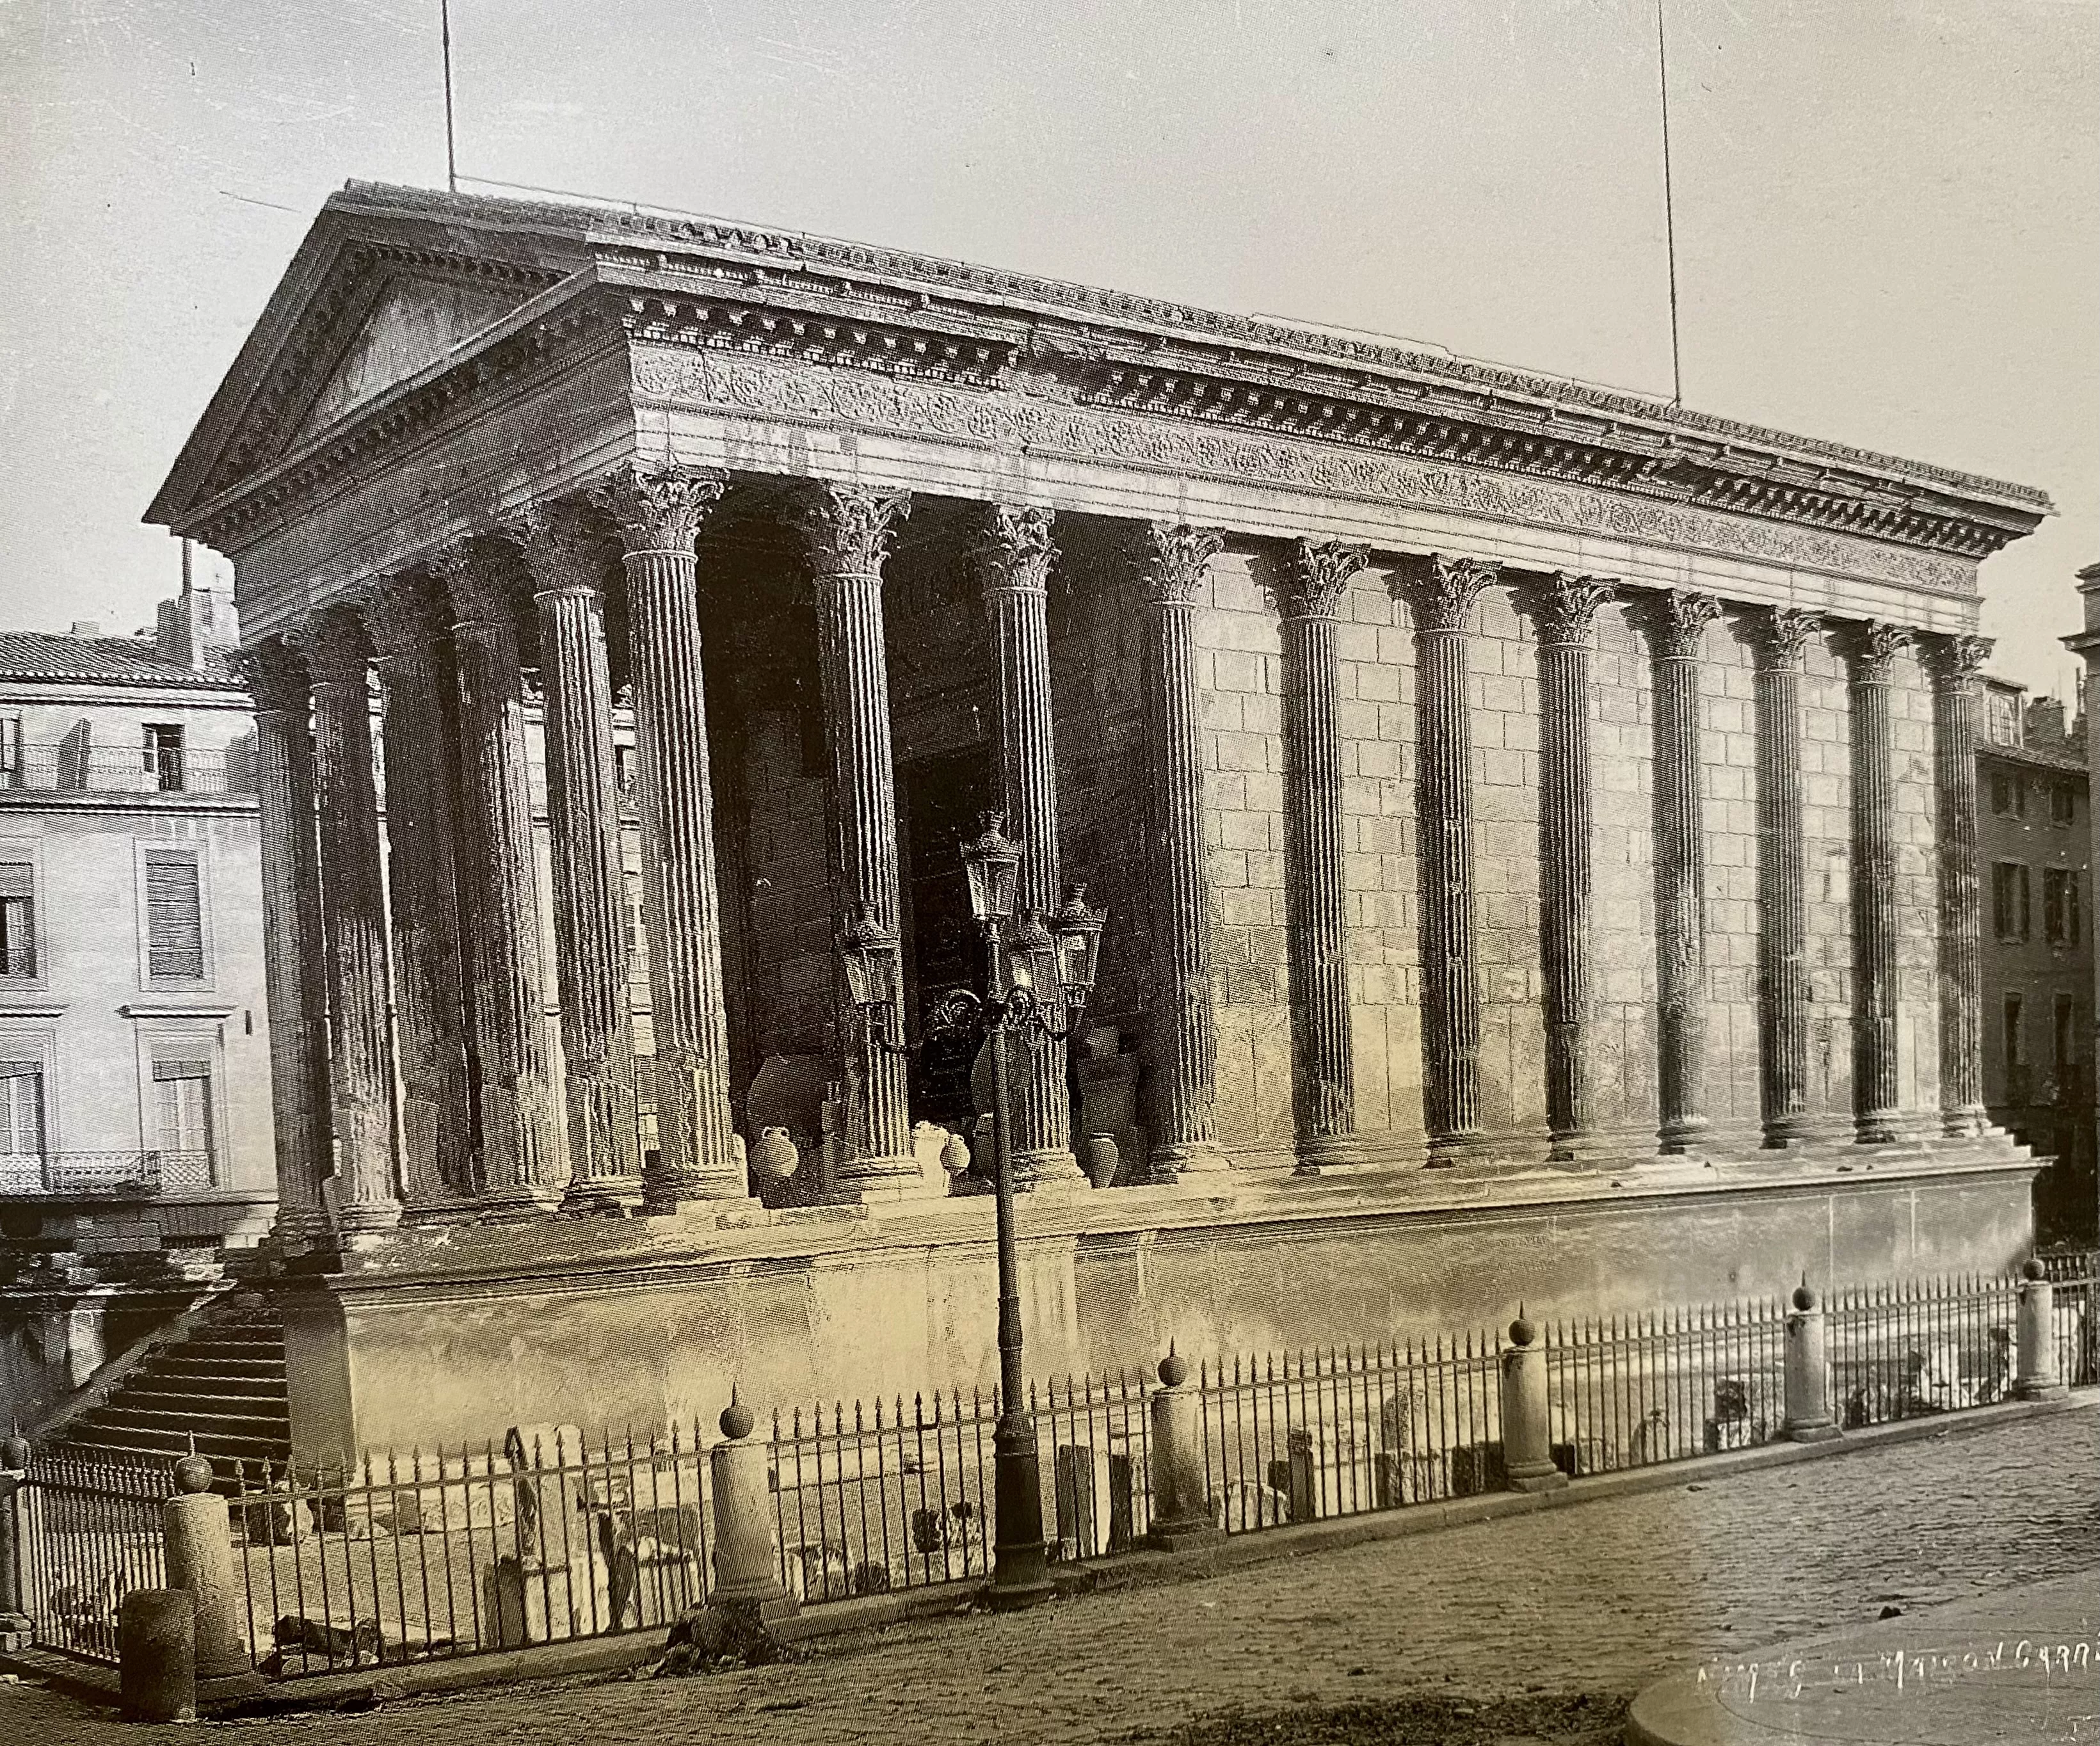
2045 722
87 628
199 623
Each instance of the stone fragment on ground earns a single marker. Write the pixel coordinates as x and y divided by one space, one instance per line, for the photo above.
713 1640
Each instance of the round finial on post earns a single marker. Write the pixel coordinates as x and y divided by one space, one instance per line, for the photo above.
14 1450
736 1420
193 1473
1804 1300
1524 1330
2032 1269
1173 1368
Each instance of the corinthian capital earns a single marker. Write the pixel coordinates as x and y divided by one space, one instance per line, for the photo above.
847 531
1444 596
1955 661
1315 577
336 648
659 508
406 618
1781 635
1677 623
479 578
1564 607
1013 553
275 676
1872 648
1174 559
564 550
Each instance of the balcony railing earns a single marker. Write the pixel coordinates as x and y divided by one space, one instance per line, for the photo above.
124 1175
110 769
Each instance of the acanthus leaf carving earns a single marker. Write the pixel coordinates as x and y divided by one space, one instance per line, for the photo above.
1957 660
1565 606
659 508
1781 635
847 531
274 675
1677 622
1014 549
564 549
1315 577
1872 647
1443 592
1174 560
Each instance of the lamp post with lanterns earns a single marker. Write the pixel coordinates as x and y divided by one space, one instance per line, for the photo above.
1038 974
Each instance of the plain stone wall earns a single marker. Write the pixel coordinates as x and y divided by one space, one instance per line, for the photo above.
646 1338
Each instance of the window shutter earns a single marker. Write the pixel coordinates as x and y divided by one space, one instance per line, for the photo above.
175 920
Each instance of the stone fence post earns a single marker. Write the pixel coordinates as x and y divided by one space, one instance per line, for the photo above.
747 1547
1181 1489
1527 1414
1808 1417
199 1538
2037 1378
15 1626
157 1655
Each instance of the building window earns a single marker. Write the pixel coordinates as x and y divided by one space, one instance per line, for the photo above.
2009 795
18 919
22 1124
2062 802
164 755
174 919
2002 722
2016 1068
2066 1040
10 751
2009 900
2059 905
182 1101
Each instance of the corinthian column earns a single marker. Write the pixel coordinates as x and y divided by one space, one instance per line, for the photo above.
1175 561
847 532
1443 602
659 515
565 556
1872 649
1565 610
1781 640
292 950
353 927
408 629
1315 583
521 1163
1014 563
1956 707
1677 634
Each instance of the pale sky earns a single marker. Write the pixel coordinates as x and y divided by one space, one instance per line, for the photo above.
1888 213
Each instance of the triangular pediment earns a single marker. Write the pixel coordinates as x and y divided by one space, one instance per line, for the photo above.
413 323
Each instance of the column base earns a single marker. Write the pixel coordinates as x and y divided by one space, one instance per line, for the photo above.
1964 1122
1189 1535
2039 1390
1810 1430
1320 1152
766 1606
900 1177
1166 1164
356 1220
1052 1167
603 1196
1536 1477
1791 1130
1876 1127
521 1200
1685 1134
1448 1151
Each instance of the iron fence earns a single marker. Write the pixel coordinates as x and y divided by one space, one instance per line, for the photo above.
1922 1346
1635 1391
1293 1437
93 1536
2075 1278
883 1497
118 1173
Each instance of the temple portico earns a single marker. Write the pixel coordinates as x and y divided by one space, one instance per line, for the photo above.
1552 787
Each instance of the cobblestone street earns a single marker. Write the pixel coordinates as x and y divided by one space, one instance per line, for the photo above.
1595 1600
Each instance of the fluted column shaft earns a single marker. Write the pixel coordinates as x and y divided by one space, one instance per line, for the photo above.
407 628
582 810
1956 709
1176 564
1013 562
1677 627
1315 582
353 928
1781 637
1565 610
291 946
521 1141
847 533
698 1155
1443 602
1876 1092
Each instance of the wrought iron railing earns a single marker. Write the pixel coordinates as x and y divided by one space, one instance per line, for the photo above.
112 770
547 1535
116 1173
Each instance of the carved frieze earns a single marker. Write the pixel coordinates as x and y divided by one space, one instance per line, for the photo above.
1016 422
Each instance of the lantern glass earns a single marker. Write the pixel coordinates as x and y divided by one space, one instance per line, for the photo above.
1079 934
992 861
1032 960
870 953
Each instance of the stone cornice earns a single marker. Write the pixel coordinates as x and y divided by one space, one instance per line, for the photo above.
771 321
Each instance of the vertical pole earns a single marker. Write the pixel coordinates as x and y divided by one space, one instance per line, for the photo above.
1956 662
1872 649
1782 642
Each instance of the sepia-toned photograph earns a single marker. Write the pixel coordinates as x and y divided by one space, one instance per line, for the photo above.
1161 872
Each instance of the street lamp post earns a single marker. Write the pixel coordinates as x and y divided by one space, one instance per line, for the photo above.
1038 975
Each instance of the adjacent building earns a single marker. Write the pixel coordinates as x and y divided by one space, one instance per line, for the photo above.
1538 824
2034 840
135 1132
